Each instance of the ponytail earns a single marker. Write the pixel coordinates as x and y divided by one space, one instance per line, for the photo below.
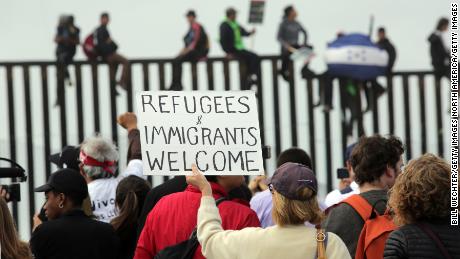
128 211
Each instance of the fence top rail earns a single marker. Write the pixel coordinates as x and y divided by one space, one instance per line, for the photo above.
168 60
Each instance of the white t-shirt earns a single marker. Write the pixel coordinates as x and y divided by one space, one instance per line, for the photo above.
337 196
102 192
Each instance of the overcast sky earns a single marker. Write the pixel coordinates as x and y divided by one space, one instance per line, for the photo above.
154 28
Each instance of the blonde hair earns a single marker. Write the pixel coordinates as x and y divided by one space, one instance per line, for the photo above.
422 191
294 212
11 246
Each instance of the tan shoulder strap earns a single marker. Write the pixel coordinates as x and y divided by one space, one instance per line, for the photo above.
320 240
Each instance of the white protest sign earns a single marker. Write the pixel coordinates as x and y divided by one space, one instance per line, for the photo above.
217 131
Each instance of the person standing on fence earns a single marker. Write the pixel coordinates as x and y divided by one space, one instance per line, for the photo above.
439 49
288 36
67 39
377 89
107 49
231 40
196 48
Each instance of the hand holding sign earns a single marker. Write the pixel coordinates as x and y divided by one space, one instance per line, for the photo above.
198 180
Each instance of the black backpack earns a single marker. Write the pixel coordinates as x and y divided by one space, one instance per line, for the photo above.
185 249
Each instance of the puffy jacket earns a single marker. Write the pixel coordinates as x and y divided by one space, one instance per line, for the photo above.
174 217
412 242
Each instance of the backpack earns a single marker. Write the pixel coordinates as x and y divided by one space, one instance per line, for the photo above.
185 249
371 242
89 47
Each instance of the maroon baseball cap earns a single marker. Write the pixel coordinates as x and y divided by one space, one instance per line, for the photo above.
290 177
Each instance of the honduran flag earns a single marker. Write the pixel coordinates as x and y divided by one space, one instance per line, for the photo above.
355 56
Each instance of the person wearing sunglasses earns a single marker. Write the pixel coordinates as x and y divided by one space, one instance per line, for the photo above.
294 189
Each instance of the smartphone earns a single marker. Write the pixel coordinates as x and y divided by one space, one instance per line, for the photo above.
342 173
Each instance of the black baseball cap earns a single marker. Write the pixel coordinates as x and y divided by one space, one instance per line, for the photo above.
289 177
67 181
190 13
67 158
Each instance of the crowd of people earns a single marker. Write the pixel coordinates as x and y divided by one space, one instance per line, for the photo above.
94 210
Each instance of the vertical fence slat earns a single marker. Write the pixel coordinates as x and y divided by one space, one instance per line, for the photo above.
293 105
146 76
12 127
421 85
46 119
129 91
407 127
194 76
80 122
311 119
210 74
95 81
30 141
391 119
327 129
260 99
61 98
113 102
375 111
161 76
439 127
276 108
226 75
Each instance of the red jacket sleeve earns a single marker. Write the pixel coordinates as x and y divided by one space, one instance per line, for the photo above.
252 220
145 248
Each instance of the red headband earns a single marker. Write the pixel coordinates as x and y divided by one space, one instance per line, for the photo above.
107 166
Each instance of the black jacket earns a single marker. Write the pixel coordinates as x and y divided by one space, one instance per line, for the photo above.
412 242
227 37
176 184
74 236
390 49
103 47
438 53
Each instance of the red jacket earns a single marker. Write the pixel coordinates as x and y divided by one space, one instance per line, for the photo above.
174 217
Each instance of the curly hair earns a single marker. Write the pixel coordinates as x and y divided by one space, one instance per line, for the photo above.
422 191
372 155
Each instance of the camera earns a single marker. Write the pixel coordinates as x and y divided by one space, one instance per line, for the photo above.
342 173
17 174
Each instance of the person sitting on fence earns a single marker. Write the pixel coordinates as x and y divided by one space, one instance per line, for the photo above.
262 202
376 161
129 199
107 49
67 39
420 200
231 41
173 218
69 233
294 188
11 247
439 49
288 36
196 48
